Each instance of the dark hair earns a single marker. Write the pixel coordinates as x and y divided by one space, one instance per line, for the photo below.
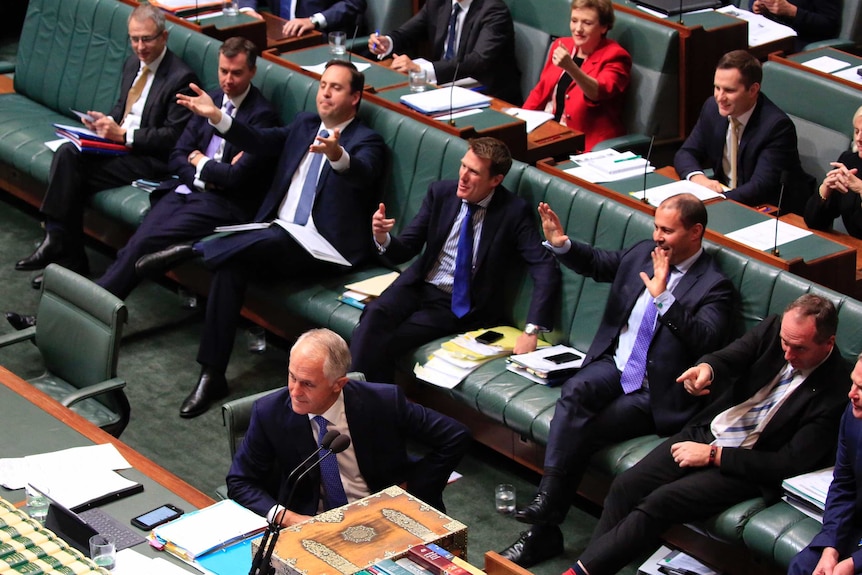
749 67
824 313
605 9
149 12
691 210
494 150
237 45
357 78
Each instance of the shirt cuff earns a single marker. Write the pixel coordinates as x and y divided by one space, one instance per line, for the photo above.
319 20
694 173
381 248
273 511
663 302
389 51
343 163
563 249
224 124
430 72
130 136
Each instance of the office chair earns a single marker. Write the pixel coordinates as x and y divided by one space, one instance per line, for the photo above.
78 334
236 415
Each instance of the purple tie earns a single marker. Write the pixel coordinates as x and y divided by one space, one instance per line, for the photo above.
216 141
333 490
633 373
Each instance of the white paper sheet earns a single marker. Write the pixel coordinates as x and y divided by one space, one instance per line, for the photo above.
851 74
762 236
655 196
319 69
826 64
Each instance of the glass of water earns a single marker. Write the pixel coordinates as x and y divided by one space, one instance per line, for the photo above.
37 504
418 79
504 497
231 8
337 45
103 552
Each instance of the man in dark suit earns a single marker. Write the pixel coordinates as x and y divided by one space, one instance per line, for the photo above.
332 199
217 184
285 429
813 20
669 303
146 119
304 16
740 118
476 38
779 392
835 550
422 303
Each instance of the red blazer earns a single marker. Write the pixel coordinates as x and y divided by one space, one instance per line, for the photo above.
598 119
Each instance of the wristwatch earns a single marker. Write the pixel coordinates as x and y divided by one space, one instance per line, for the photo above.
532 329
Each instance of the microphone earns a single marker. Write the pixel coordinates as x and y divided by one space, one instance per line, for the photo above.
784 176
352 42
327 440
646 167
452 93
260 565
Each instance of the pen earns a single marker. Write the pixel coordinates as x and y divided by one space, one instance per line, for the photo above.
627 159
374 45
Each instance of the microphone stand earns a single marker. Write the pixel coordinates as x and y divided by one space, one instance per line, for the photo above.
646 168
452 93
261 565
784 177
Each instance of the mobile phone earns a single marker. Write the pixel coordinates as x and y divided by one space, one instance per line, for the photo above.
156 517
489 337
564 357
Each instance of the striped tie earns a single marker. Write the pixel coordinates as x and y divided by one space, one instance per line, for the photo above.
736 434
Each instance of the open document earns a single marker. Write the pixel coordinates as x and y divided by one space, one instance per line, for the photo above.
761 30
306 236
655 196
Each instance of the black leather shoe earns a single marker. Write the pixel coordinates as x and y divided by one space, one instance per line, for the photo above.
79 265
20 321
537 544
543 510
211 387
157 262
52 249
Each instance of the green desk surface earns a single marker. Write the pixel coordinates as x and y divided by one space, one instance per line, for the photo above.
727 217
222 22
36 431
378 76
803 57
484 120
708 19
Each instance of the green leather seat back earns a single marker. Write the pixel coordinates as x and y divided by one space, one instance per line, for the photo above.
531 52
386 15
289 92
821 109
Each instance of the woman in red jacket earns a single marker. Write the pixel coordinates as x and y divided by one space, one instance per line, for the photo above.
586 75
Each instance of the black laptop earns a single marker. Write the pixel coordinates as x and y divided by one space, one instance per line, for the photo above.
676 7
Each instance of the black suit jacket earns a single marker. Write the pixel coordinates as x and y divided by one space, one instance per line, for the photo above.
381 422
163 119
768 146
509 231
243 183
815 20
486 50
696 323
802 434
344 202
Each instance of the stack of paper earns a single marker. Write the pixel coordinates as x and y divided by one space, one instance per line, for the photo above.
445 99
807 492
655 196
536 366
201 531
533 118
761 30
609 165
360 293
458 357
89 141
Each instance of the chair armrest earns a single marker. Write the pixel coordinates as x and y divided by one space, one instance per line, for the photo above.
18 336
637 143
93 390
837 43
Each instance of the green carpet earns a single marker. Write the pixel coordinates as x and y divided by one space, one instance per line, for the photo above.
158 362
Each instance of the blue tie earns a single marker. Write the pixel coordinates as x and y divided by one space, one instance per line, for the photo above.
632 377
284 9
463 265
450 42
333 490
309 187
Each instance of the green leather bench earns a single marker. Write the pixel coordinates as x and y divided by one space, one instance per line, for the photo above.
83 55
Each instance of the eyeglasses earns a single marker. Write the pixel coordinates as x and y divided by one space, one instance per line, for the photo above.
145 39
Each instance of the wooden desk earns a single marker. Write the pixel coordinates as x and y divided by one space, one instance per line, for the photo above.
818 258
798 60
275 38
704 37
40 424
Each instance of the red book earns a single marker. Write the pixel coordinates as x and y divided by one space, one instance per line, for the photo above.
434 562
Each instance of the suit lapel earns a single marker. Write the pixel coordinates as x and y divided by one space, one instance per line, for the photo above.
442 28
361 428
493 222
469 22
155 88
